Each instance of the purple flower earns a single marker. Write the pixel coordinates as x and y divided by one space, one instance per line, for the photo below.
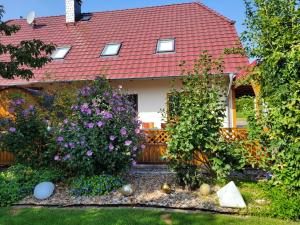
90 125
19 101
100 123
85 108
143 146
56 158
74 107
111 147
31 107
112 137
71 145
137 131
89 153
86 91
123 131
106 115
127 143
66 145
67 157
12 129
98 112
89 112
66 121
134 149
133 162
60 139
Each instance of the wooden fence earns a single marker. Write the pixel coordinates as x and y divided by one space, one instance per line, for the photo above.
156 143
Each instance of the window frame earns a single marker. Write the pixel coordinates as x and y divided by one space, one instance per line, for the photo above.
57 49
109 44
162 40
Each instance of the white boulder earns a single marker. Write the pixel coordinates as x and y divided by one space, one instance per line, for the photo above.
230 196
43 190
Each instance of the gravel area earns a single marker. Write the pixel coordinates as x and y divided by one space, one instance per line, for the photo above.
147 192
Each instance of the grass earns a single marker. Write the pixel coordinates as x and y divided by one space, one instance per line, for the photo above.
35 216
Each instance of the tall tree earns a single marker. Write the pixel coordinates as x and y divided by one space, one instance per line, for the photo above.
273 36
24 56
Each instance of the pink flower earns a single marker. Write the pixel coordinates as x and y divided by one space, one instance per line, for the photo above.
112 137
56 158
111 147
89 153
137 131
143 146
100 123
123 131
120 86
127 143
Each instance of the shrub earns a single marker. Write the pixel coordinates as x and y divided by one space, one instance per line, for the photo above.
19 181
95 185
103 134
26 135
195 137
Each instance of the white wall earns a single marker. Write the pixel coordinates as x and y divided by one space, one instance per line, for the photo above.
152 98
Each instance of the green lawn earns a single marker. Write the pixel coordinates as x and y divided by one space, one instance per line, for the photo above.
121 217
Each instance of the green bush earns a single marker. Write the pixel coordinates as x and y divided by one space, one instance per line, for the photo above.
102 136
195 130
244 106
95 185
19 181
26 135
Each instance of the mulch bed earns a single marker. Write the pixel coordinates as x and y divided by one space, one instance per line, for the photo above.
147 193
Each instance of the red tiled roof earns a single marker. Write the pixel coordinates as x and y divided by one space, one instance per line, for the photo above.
247 70
195 27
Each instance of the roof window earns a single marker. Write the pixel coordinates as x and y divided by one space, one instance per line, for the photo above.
60 52
111 49
86 17
165 45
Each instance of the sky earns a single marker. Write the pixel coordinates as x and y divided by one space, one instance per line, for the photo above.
233 9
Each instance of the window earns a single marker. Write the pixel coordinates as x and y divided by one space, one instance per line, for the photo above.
60 53
86 17
165 45
111 49
133 99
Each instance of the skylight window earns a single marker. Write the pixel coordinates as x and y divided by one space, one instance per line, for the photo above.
165 45
60 52
86 17
111 49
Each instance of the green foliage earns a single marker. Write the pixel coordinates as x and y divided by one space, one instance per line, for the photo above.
195 133
19 181
26 55
101 136
276 201
26 136
95 185
245 106
273 36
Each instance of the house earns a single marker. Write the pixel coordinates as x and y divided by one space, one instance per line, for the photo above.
139 49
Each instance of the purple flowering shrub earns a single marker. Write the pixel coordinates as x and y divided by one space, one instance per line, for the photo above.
25 135
102 135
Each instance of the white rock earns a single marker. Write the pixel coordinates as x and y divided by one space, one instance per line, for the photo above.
43 190
127 190
230 196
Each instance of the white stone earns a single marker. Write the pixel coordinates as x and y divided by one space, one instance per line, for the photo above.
127 190
230 196
43 190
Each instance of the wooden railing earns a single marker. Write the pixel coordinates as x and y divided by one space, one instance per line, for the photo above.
156 143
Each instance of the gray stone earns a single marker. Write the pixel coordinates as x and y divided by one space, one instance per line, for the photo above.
204 189
127 190
230 196
43 190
